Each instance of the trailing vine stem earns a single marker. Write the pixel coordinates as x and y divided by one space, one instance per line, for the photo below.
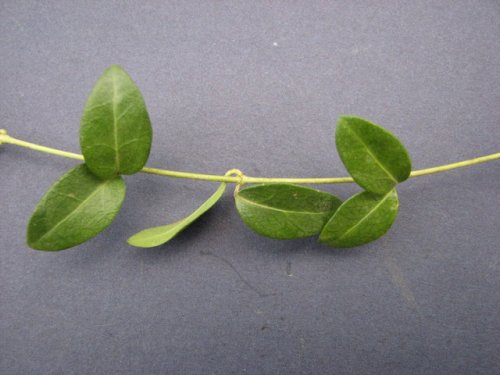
240 178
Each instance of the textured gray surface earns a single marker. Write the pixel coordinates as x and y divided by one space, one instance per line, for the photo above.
258 86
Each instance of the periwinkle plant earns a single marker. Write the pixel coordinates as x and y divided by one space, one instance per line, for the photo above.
115 139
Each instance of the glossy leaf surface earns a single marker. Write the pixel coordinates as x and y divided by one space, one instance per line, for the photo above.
374 157
157 236
361 219
115 133
285 211
76 208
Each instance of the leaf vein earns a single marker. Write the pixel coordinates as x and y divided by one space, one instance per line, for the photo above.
279 209
374 157
70 214
115 123
366 216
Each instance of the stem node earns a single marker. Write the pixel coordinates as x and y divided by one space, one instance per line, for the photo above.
236 173
236 176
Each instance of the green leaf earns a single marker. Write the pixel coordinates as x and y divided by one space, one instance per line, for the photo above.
115 134
374 157
157 236
361 219
77 207
285 211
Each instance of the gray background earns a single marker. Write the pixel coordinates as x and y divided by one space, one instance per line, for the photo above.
257 86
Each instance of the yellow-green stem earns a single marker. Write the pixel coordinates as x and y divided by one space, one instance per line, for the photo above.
241 178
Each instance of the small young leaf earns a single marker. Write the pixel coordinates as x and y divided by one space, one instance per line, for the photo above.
157 236
285 211
361 219
374 157
77 207
115 134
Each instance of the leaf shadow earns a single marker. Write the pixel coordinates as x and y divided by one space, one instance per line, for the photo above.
312 247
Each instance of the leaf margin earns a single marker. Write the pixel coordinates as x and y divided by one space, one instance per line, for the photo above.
184 222
335 201
342 242
52 191
96 162
346 127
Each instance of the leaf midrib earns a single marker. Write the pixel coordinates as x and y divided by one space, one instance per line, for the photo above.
115 121
280 209
369 151
70 214
366 216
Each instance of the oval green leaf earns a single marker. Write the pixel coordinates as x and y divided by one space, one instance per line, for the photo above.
115 133
157 236
284 211
361 219
77 207
374 157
